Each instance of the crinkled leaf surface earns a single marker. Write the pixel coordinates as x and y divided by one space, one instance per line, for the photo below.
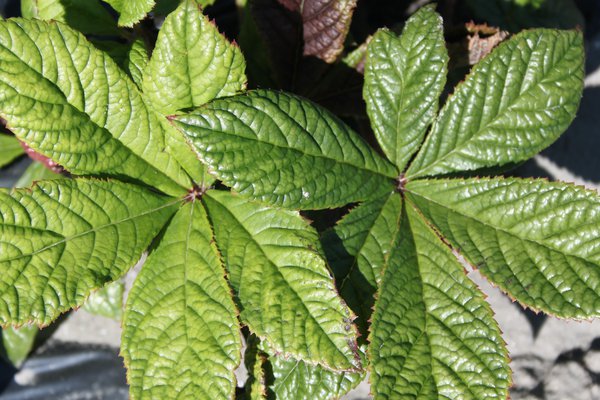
131 11
107 301
325 24
62 239
71 102
433 335
192 62
357 250
9 149
404 77
286 151
286 294
181 335
136 61
86 16
514 103
538 241
17 343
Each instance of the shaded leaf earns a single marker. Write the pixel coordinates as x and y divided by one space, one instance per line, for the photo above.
433 335
192 63
10 149
17 343
286 151
35 172
357 249
514 103
62 239
80 110
132 11
404 77
538 241
181 303
285 292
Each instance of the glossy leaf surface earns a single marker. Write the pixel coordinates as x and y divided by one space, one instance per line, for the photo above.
181 305
433 336
107 301
286 294
62 239
513 104
286 151
404 77
536 240
71 102
192 62
357 250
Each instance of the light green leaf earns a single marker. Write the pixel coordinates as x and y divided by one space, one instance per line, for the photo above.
86 16
137 61
286 294
35 172
433 336
538 241
18 343
62 239
132 11
296 380
357 249
514 103
71 102
106 302
192 62
404 77
286 151
10 149
181 303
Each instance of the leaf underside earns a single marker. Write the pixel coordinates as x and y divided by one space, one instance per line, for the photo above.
71 102
285 292
404 77
513 104
192 63
285 151
432 333
64 238
538 241
181 335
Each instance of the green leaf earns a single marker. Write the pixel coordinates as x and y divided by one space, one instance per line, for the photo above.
10 149
132 11
164 7
255 361
286 294
433 335
181 304
404 77
514 103
296 380
107 302
62 239
71 102
136 61
86 16
538 241
36 172
357 249
192 62
18 342
286 151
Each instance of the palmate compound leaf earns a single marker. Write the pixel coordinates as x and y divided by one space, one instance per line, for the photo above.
71 102
514 103
286 151
404 77
538 241
285 292
62 239
357 249
10 149
192 62
433 336
181 336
